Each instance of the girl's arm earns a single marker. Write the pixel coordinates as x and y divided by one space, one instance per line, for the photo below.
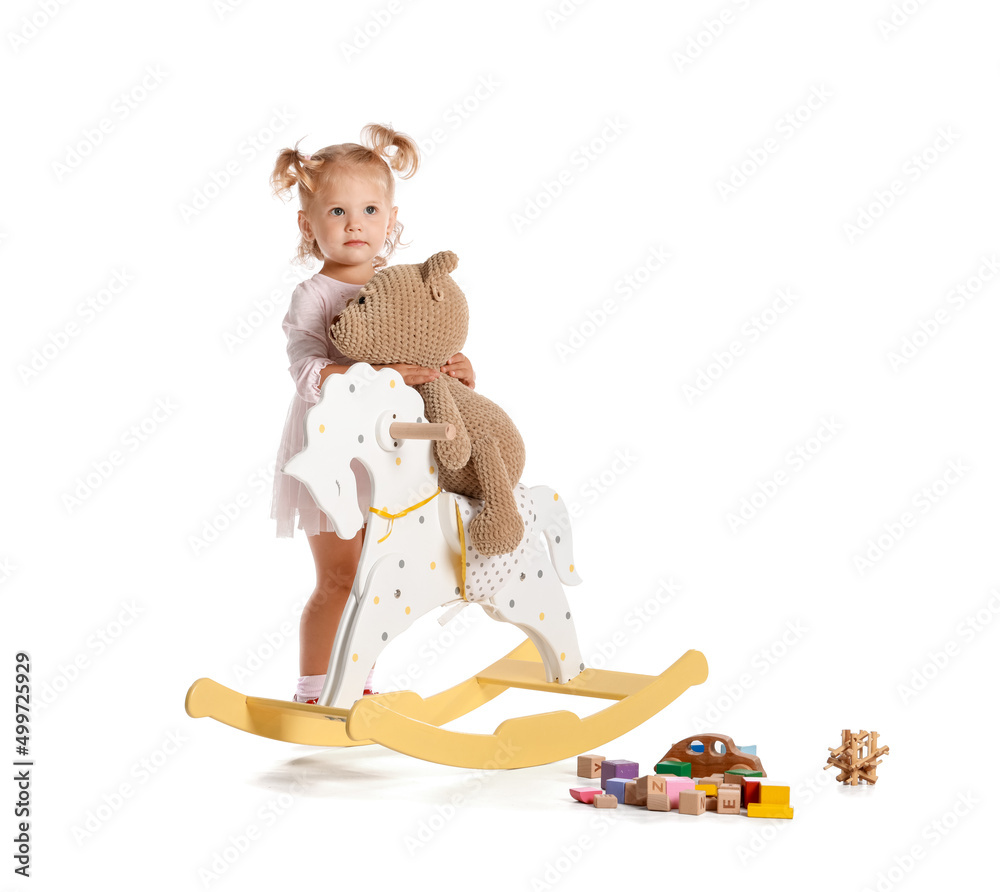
305 327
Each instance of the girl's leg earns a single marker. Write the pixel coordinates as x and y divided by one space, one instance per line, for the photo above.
336 564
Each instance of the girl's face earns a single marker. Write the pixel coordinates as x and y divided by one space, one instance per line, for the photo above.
350 221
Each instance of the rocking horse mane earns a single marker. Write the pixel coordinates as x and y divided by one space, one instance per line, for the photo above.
342 428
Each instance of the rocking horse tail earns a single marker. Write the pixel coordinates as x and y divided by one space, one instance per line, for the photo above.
553 518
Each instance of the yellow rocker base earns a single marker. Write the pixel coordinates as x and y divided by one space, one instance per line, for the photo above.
407 723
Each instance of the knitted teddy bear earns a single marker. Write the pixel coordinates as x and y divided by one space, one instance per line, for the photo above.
417 313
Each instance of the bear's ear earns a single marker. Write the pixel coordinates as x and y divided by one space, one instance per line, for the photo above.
435 268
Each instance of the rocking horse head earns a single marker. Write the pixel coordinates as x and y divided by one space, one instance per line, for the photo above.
352 420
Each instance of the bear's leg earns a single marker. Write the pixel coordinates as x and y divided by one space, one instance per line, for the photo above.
498 529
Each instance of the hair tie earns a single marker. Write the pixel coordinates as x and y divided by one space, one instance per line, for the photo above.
307 157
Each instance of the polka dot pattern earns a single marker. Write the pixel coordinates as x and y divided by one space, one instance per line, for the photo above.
486 576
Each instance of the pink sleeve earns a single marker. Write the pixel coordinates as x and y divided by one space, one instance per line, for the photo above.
305 327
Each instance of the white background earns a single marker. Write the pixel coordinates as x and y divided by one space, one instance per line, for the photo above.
120 608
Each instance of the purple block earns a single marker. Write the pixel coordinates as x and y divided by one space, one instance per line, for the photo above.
616 788
620 768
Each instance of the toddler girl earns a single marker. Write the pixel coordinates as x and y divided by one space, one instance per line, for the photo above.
348 221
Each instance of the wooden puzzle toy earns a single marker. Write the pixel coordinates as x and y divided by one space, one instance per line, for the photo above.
718 754
857 757
605 800
417 556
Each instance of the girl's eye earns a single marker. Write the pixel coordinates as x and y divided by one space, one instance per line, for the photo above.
337 212
371 209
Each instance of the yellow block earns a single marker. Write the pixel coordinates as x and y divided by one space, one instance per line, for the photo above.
710 789
771 795
760 810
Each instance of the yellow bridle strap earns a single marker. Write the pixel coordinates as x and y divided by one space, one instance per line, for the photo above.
461 539
403 513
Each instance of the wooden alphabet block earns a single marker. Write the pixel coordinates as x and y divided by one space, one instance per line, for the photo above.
604 800
658 802
588 766
729 799
709 789
675 785
650 783
632 794
691 802
751 790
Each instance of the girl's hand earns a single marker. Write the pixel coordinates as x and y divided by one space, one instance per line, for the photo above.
460 367
412 374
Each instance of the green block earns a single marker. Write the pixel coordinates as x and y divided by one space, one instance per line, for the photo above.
677 769
745 772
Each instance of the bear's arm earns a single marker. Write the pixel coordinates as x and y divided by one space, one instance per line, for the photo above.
441 408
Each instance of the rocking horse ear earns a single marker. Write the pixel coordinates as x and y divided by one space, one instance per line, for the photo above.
435 268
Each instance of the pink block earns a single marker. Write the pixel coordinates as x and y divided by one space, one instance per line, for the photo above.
585 794
675 785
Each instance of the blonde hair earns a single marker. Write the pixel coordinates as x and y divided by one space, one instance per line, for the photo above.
311 173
